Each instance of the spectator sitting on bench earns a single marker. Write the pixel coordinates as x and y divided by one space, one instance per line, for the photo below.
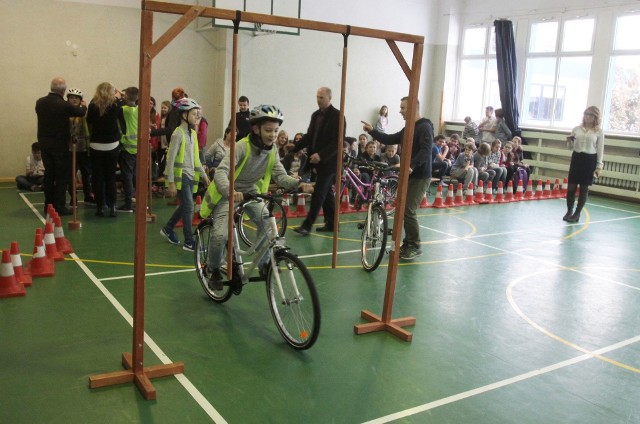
441 165
463 167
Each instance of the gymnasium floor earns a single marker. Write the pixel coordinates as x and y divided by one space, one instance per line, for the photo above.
521 318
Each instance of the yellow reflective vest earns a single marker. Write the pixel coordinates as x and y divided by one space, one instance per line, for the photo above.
130 138
179 163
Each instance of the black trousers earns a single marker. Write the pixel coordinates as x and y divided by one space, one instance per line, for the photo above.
322 197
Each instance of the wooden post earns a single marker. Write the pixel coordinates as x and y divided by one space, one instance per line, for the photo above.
74 224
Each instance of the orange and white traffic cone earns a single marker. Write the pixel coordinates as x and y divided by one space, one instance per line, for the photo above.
196 212
469 196
438 203
546 191
425 202
538 193
286 205
555 192
50 244
519 192
50 211
488 194
500 194
508 196
301 210
480 192
345 207
449 201
62 243
16 261
459 201
563 190
528 194
9 285
40 265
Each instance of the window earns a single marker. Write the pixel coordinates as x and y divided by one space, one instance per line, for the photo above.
478 76
558 68
622 103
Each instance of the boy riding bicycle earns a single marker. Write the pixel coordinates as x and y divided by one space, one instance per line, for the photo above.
256 164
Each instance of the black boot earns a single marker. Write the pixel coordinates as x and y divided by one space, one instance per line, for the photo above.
582 200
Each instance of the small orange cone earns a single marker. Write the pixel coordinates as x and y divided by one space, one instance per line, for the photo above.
345 207
437 203
508 197
528 194
16 261
449 201
546 192
62 243
301 210
538 194
469 196
500 194
459 201
9 286
286 206
488 194
519 193
425 202
40 265
555 192
50 211
480 192
50 244
563 190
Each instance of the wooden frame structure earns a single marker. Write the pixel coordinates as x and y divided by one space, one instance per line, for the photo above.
134 363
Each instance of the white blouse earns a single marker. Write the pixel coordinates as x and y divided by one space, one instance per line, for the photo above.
588 141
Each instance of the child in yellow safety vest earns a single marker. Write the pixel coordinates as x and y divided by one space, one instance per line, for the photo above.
129 151
183 171
256 164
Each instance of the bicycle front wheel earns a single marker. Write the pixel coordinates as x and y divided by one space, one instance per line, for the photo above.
293 300
247 229
203 233
374 238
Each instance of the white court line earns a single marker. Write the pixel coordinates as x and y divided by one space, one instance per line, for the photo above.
499 384
186 383
151 274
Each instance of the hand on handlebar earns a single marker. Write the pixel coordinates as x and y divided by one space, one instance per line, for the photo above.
306 187
238 197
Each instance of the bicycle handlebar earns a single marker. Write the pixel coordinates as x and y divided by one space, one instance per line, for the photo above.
375 165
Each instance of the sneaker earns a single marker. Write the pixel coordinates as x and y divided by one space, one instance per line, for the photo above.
188 246
215 281
410 252
124 208
171 236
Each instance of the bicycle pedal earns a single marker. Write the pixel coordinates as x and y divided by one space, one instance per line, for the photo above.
360 225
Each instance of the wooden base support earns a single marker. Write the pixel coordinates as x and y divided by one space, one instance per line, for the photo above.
152 217
376 324
74 225
141 379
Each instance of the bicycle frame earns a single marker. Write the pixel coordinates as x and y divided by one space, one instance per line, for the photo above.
356 183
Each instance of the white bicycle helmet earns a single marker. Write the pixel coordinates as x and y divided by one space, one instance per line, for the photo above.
74 92
186 104
266 112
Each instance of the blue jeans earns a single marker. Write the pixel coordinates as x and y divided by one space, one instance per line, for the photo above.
184 210
127 163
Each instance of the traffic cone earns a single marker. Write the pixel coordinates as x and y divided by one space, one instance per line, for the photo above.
519 194
9 286
528 194
563 190
62 243
555 192
500 194
480 192
508 197
50 211
488 194
546 191
345 207
286 206
538 194
425 202
50 244
196 212
449 201
16 260
40 265
437 203
301 210
469 196
459 200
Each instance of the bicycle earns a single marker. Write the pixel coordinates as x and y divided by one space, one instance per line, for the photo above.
291 293
379 193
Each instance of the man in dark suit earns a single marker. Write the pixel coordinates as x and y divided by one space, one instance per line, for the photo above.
321 141
54 136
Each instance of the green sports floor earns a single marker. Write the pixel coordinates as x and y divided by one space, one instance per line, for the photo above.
520 318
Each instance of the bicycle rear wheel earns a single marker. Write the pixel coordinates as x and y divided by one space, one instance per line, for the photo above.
294 302
247 229
203 232
374 238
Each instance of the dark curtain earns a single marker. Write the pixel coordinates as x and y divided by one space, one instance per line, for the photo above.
507 73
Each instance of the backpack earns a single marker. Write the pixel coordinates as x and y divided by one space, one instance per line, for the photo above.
520 175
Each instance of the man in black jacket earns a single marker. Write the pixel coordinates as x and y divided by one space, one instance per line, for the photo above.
419 174
321 141
54 136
